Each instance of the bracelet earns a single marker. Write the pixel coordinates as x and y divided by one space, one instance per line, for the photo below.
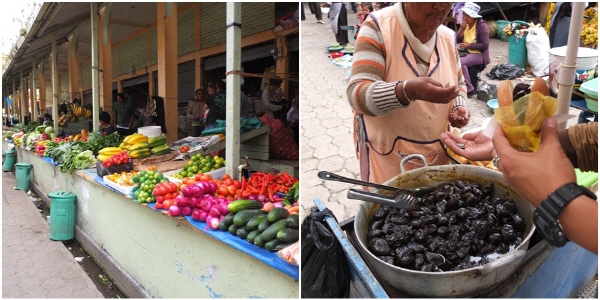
404 91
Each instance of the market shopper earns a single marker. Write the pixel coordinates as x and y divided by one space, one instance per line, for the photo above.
406 88
473 35
123 111
365 9
105 127
536 175
47 119
215 104
559 30
271 98
211 88
316 9
195 112
338 17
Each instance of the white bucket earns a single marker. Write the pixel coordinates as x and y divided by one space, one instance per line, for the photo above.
587 59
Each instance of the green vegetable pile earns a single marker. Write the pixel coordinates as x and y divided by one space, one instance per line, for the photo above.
292 195
96 141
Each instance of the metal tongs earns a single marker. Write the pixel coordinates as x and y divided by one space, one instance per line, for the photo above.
402 198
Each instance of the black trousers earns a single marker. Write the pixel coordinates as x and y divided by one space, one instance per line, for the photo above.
316 9
342 35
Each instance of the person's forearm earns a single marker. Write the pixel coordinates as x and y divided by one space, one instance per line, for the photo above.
579 221
367 91
565 142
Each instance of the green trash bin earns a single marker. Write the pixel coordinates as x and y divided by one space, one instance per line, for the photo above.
10 158
23 174
62 215
517 51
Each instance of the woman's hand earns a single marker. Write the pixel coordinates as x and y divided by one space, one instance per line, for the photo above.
535 175
427 89
460 117
477 146
464 45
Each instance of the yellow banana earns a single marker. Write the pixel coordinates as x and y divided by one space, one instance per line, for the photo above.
110 151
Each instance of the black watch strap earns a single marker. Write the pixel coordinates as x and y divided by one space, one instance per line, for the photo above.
545 216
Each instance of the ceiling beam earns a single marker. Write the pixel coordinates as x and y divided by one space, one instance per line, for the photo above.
129 23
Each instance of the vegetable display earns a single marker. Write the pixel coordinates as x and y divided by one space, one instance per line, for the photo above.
145 183
200 164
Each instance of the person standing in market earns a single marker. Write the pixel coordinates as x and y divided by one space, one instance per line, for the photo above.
316 9
542 175
473 35
406 88
559 30
271 98
216 105
195 112
338 17
123 111
47 120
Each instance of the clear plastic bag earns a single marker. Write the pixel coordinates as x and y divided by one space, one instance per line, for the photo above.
291 254
522 121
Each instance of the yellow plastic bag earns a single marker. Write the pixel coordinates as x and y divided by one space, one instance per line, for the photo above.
522 121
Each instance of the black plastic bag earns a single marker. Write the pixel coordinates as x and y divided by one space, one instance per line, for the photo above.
506 71
325 272
486 92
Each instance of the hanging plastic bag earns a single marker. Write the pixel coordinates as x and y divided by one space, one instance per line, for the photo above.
538 47
522 121
325 271
506 71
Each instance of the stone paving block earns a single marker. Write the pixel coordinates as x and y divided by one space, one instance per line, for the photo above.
332 164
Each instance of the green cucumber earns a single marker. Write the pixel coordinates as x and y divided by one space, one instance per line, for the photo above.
277 214
255 221
282 245
258 241
271 232
253 234
288 235
293 221
239 205
242 232
264 224
270 245
223 226
228 219
233 229
242 217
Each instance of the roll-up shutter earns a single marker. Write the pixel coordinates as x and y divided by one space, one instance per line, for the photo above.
186 81
87 97
294 43
249 54
135 81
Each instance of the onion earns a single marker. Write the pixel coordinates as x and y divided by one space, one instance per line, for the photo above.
202 216
182 201
196 191
174 211
187 191
295 204
223 208
261 198
194 202
238 198
196 214
213 222
214 212
213 186
205 205
276 197
252 197
278 204
186 211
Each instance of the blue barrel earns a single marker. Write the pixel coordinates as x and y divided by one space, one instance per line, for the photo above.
62 215
517 51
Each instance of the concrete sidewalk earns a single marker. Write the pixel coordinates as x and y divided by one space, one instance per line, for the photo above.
33 266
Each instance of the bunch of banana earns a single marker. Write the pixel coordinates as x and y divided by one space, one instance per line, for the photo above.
133 139
107 153
80 111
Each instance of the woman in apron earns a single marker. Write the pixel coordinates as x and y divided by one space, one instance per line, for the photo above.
406 88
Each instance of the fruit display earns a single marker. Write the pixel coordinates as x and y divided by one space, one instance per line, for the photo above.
145 182
124 178
264 187
589 30
116 159
200 164
140 146
79 111
165 193
272 228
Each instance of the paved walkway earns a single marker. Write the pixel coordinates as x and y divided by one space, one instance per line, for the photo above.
33 266
326 127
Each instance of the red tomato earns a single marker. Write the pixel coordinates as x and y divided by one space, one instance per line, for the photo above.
108 164
232 189
225 177
160 199
238 184
223 191
228 182
158 205
167 203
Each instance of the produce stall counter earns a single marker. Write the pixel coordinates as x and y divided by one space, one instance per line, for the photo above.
167 257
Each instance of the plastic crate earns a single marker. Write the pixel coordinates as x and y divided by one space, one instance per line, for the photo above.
125 190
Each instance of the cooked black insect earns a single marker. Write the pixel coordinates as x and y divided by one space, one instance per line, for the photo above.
454 222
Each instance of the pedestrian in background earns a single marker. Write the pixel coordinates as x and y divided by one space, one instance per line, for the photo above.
123 111
195 112
316 9
338 17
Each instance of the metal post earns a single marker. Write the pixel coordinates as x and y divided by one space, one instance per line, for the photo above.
95 70
13 98
21 98
566 72
55 87
34 111
232 130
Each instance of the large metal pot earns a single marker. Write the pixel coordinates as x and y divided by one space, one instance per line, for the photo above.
464 283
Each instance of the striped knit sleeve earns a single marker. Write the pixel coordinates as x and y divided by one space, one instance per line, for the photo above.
461 99
367 91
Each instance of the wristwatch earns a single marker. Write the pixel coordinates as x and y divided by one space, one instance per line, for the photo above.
545 217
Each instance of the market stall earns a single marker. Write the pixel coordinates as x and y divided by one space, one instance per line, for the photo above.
143 238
